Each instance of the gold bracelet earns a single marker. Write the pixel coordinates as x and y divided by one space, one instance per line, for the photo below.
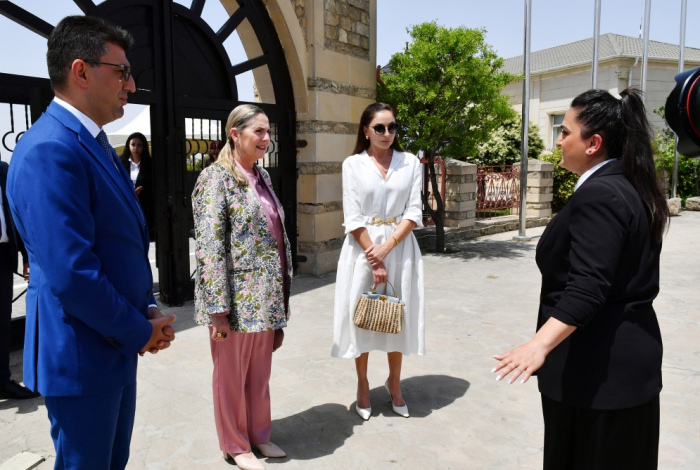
395 240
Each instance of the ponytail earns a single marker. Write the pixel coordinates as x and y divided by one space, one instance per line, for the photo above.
626 133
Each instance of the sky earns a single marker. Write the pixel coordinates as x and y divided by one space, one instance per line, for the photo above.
554 22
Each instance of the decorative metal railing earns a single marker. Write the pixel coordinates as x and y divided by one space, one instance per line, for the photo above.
11 119
497 190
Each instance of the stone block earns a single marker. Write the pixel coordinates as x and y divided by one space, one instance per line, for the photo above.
361 28
540 183
342 36
458 167
320 227
22 461
539 212
539 205
461 223
319 263
315 189
538 198
692 204
332 19
330 32
537 165
674 206
459 206
354 39
347 24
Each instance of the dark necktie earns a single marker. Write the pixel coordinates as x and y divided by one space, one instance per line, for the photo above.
102 140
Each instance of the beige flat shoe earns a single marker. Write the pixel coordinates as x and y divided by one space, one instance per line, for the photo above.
245 463
271 450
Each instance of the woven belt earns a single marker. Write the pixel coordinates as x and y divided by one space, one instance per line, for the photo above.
376 221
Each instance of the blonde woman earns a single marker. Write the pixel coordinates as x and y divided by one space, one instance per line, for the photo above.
242 284
381 205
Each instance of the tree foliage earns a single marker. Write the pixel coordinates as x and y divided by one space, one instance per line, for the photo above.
446 86
503 148
564 180
664 146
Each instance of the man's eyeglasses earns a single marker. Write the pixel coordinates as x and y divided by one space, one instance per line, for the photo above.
380 129
126 69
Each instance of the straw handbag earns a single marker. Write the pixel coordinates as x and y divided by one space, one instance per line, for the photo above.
378 312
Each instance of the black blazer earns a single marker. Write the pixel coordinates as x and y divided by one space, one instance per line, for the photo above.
144 179
16 243
600 272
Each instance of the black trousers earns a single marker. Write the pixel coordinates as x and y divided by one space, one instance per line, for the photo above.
7 267
585 439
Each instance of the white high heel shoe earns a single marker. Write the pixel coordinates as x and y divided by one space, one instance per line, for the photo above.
364 413
399 410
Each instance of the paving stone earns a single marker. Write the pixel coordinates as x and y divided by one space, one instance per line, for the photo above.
480 301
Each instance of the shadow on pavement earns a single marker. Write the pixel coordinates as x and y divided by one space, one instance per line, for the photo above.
488 250
320 430
23 406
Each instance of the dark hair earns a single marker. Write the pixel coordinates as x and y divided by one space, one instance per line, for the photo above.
80 37
626 133
126 153
368 114
216 145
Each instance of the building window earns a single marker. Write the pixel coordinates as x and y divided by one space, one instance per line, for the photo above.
557 120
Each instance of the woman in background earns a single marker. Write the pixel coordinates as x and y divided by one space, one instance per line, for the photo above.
136 158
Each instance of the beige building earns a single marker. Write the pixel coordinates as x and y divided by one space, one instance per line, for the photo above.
561 73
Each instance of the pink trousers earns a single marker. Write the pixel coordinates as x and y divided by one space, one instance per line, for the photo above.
242 365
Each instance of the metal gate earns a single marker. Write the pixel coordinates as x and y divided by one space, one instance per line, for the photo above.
184 74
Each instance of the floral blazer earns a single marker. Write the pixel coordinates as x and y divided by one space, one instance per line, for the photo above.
238 262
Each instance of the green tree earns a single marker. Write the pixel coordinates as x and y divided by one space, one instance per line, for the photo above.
446 87
688 168
564 180
503 147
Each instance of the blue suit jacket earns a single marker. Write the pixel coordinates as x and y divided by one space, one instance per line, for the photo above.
91 279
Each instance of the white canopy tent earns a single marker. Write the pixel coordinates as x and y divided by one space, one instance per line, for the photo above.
140 123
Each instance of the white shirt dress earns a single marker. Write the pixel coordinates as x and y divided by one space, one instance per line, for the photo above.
367 196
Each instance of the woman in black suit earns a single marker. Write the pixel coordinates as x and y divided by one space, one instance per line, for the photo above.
136 158
597 350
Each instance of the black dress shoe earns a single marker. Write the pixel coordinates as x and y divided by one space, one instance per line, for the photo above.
12 389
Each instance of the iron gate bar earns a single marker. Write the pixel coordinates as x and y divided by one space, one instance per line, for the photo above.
87 6
232 23
251 64
197 7
22 17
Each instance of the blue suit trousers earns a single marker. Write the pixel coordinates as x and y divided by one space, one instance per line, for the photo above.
93 432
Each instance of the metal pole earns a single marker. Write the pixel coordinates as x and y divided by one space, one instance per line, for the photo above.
596 43
526 122
645 53
681 67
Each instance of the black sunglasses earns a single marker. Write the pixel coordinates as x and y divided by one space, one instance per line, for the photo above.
380 129
126 69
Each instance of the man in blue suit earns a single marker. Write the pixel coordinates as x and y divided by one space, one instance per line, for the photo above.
90 306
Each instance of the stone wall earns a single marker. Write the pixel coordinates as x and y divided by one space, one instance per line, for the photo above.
347 27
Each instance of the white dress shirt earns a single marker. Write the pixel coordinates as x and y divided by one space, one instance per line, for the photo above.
89 124
134 173
4 238
582 179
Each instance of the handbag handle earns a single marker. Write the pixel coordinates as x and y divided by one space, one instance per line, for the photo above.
373 289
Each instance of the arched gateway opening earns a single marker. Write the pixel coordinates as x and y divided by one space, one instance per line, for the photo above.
185 76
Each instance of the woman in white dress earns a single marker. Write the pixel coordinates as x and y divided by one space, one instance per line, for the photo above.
381 205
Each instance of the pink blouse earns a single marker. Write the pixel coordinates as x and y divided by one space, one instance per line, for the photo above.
272 211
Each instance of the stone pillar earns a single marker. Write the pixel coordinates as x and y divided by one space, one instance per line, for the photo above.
540 188
341 82
460 193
